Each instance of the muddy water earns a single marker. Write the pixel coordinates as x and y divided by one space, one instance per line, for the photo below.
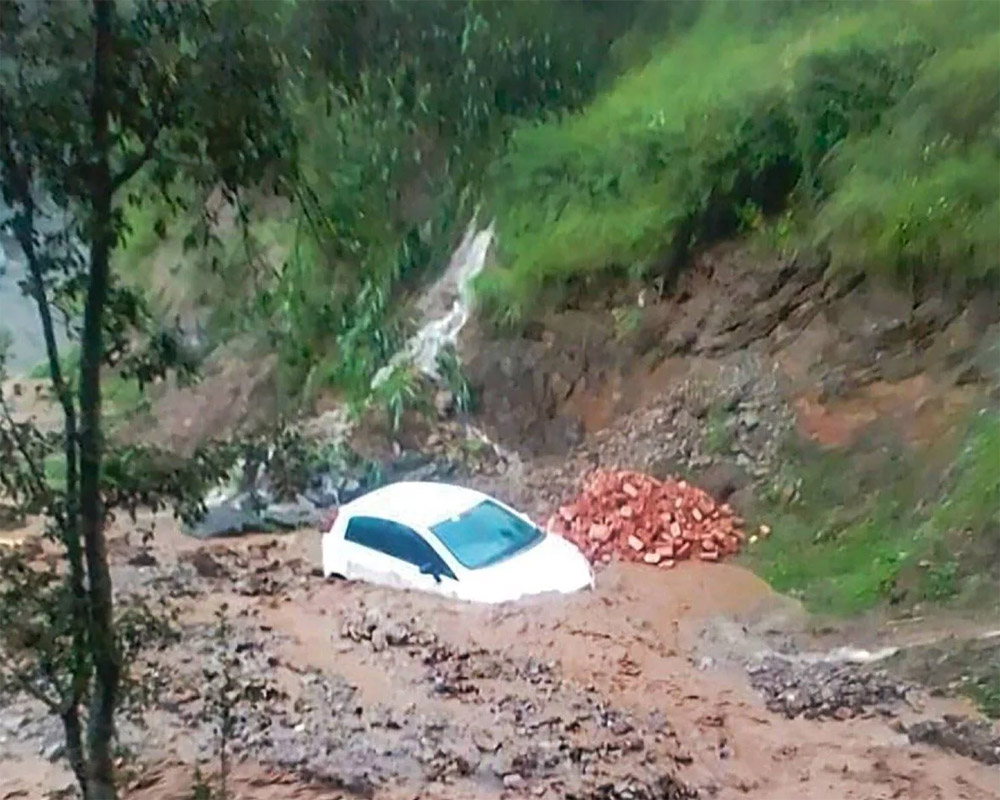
631 642
632 645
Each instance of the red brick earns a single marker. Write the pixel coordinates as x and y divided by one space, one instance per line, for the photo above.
633 516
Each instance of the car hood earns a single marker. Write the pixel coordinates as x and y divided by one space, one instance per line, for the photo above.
552 565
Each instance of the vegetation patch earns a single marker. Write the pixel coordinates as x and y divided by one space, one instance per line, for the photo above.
859 536
876 123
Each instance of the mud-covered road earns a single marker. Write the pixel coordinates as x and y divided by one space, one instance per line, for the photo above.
636 690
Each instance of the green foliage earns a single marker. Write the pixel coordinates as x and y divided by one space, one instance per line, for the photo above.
920 197
718 435
985 691
942 580
92 96
854 540
449 368
401 391
400 106
882 115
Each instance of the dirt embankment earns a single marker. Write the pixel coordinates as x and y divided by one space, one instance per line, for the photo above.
709 381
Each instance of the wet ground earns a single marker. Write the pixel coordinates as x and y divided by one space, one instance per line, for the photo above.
639 689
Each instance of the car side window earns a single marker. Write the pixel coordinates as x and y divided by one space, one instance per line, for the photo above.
366 532
395 540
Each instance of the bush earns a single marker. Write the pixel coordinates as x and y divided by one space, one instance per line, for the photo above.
920 197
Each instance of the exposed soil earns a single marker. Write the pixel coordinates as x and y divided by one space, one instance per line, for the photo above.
236 392
834 355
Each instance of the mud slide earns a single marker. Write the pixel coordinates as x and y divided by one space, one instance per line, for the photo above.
636 690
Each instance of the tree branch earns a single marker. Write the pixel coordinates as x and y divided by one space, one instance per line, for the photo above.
27 686
37 474
134 163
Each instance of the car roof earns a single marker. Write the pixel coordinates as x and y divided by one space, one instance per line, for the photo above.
415 503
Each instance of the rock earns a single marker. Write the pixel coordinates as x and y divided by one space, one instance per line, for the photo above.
396 634
444 403
972 738
831 690
372 619
513 780
230 517
53 751
324 491
144 558
204 564
485 741
835 383
300 513
560 387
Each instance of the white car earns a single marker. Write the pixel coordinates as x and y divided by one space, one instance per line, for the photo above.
449 540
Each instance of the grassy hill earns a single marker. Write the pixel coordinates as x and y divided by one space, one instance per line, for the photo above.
875 124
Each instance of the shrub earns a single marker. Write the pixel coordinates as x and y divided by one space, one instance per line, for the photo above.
920 197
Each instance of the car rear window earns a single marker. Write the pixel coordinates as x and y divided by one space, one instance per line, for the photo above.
485 534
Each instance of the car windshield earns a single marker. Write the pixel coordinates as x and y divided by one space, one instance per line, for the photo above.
485 534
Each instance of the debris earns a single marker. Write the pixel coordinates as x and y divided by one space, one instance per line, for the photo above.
831 690
204 564
636 517
513 780
143 558
967 737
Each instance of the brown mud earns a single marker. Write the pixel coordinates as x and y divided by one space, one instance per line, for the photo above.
427 698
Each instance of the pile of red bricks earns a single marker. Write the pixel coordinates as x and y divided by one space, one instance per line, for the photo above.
634 517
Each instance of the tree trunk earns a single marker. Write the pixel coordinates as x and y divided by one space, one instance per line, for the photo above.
74 746
68 521
104 652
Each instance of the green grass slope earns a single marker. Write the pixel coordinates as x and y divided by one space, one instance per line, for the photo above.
880 122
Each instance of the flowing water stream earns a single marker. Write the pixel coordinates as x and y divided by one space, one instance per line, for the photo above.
445 307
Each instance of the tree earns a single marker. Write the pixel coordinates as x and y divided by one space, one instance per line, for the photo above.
101 107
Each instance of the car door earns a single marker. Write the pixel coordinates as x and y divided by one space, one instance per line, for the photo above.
391 554
365 551
432 572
